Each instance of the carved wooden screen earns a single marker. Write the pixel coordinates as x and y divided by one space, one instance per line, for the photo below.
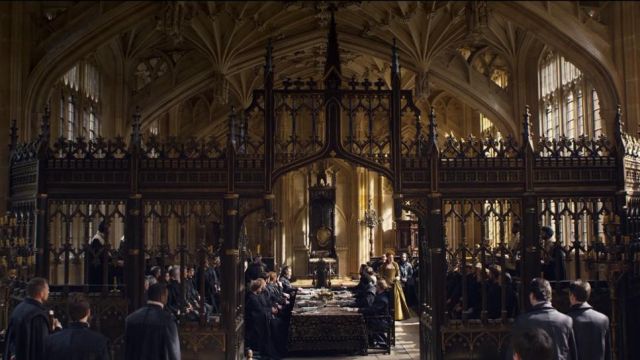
72 225
176 234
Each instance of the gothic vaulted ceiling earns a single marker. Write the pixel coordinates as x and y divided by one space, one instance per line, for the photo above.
165 53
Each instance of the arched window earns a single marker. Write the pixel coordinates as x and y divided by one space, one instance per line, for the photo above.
595 106
79 108
562 90
71 118
569 116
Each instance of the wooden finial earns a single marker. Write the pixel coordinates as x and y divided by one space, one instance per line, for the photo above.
433 126
395 62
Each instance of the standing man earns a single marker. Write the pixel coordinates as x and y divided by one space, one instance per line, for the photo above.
29 324
77 341
150 332
555 268
591 328
406 279
542 315
95 255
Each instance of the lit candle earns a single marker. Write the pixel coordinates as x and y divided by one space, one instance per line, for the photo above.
258 249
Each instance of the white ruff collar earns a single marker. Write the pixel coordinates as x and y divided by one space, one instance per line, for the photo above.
99 236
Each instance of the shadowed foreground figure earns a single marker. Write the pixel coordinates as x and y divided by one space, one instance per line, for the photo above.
77 341
150 332
29 324
532 344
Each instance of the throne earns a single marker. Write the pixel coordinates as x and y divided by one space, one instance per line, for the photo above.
323 260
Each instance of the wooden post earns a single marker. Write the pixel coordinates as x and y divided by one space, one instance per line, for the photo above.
134 265
437 272
42 203
435 251
530 244
134 256
231 276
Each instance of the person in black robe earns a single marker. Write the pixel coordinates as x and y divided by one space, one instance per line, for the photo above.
95 256
366 296
256 269
177 302
77 341
494 293
258 316
116 267
377 315
29 324
216 279
211 285
555 267
454 292
363 282
150 332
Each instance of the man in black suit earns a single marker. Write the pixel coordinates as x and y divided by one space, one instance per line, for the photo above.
542 315
150 332
29 324
77 341
591 328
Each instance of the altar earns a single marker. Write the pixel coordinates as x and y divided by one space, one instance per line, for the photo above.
318 323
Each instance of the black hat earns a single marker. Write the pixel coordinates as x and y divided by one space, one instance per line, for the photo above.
102 227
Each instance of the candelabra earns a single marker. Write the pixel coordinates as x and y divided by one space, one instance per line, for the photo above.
370 220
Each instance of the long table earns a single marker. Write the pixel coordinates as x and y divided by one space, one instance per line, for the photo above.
325 327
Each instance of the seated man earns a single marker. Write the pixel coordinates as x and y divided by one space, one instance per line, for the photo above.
377 315
362 283
177 303
366 295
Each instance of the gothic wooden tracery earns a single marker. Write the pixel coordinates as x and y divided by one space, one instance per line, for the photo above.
146 181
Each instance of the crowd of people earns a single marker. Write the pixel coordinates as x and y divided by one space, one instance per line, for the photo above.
270 298
151 331
471 280
35 334
268 304
185 301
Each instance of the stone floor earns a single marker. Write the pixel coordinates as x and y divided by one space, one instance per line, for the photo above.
407 344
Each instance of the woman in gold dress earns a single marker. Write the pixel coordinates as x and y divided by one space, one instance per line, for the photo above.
390 271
